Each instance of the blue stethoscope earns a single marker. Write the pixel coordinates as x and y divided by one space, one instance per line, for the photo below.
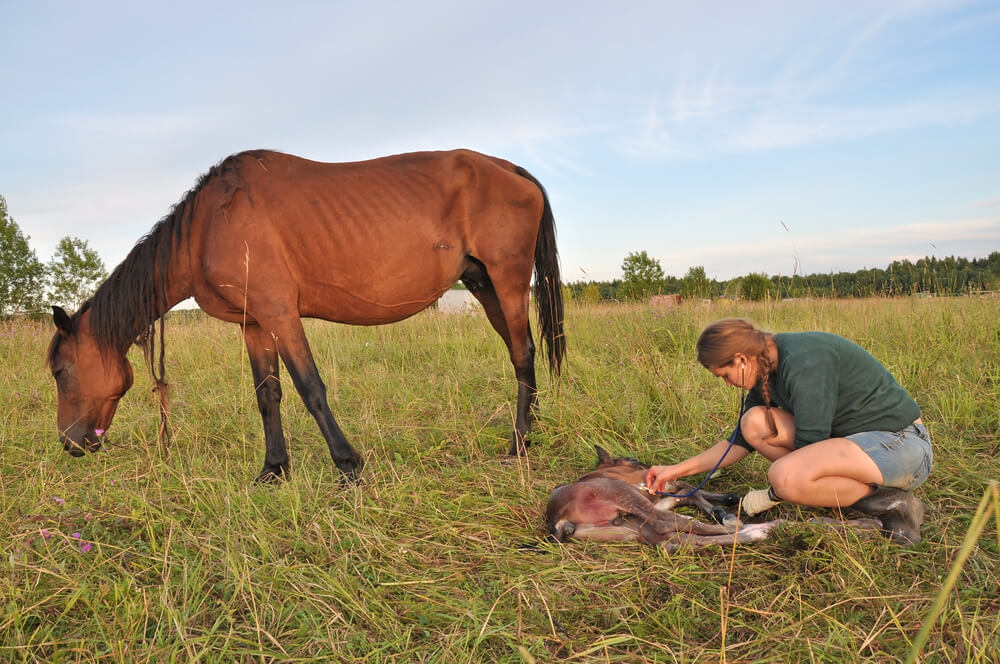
732 441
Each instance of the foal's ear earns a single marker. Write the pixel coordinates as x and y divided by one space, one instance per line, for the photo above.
602 455
62 320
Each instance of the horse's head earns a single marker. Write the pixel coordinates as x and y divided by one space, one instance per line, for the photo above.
626 469
89 380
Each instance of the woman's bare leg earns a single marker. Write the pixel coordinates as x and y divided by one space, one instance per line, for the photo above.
829 473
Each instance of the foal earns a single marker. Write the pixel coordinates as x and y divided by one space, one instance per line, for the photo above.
611 504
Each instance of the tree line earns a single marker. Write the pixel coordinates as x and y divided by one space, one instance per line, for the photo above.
27 285
643 277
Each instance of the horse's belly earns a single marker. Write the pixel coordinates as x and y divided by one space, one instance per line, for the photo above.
365 306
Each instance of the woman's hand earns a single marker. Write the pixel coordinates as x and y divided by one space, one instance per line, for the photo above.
658 476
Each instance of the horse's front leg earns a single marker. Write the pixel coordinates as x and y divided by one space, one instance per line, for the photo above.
702 500
294 351
263 352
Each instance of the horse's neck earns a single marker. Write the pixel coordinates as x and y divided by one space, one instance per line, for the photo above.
178 288
170 287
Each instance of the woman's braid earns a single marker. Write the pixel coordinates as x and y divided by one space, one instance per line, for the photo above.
764 378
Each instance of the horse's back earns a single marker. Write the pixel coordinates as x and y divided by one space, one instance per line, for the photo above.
369 241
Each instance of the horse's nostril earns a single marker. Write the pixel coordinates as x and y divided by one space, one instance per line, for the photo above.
73 447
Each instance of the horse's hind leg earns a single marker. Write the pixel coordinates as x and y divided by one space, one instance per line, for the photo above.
510 319
294 351
753 533
263 352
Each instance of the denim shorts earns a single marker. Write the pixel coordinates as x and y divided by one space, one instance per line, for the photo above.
904 457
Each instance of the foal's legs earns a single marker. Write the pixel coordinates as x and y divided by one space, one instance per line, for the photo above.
709 503
294 351
751 533
263 352
510 319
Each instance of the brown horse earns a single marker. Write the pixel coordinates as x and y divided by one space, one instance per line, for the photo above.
264 239
611 504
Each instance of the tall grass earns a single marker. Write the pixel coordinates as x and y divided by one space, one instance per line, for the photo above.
145 554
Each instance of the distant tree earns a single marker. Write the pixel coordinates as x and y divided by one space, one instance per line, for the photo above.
75 272
695 283
755 287
22 276
591 294
733 288
642 275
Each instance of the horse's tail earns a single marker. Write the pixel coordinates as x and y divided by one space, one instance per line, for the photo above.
548 287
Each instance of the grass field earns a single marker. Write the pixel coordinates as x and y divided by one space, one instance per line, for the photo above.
143 554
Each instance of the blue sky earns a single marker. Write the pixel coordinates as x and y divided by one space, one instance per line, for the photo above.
773 137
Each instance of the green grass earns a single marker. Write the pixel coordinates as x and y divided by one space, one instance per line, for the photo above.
439 554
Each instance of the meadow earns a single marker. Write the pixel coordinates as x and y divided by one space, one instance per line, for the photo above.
147 553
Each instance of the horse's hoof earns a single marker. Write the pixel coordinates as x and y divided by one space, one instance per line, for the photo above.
518 448
351 468
275 475
719 515
731 499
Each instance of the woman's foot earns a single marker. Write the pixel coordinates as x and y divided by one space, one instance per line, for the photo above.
900 512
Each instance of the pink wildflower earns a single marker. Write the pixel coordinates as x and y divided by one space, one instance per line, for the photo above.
59 501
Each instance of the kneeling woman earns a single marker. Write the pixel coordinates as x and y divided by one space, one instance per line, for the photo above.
837 427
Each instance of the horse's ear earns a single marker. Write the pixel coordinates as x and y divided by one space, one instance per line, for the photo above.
602 455
62 320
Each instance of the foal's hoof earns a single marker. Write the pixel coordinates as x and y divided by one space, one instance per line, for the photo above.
719 515
730 499
275 475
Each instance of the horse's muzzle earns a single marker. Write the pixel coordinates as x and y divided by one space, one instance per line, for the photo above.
76 449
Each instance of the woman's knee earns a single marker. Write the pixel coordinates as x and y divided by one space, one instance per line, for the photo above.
784 476
760 430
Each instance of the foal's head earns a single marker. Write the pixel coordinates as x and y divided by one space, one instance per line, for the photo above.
626 469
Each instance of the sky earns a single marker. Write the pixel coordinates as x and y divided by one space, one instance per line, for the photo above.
770 137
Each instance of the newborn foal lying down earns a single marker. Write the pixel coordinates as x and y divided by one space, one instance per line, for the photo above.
611 504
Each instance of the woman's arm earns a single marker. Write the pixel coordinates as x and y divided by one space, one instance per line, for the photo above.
702 462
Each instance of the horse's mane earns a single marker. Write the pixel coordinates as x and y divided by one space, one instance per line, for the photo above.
125 306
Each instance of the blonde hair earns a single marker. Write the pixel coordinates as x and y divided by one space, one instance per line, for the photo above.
722 340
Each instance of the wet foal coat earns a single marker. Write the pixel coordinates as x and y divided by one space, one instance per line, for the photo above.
611 504
265 239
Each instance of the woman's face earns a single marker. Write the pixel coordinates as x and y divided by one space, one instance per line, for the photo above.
741 372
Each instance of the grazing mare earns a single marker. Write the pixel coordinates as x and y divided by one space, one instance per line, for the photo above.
264 239
611 504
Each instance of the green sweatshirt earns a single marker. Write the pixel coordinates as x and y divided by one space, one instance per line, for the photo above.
834 388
